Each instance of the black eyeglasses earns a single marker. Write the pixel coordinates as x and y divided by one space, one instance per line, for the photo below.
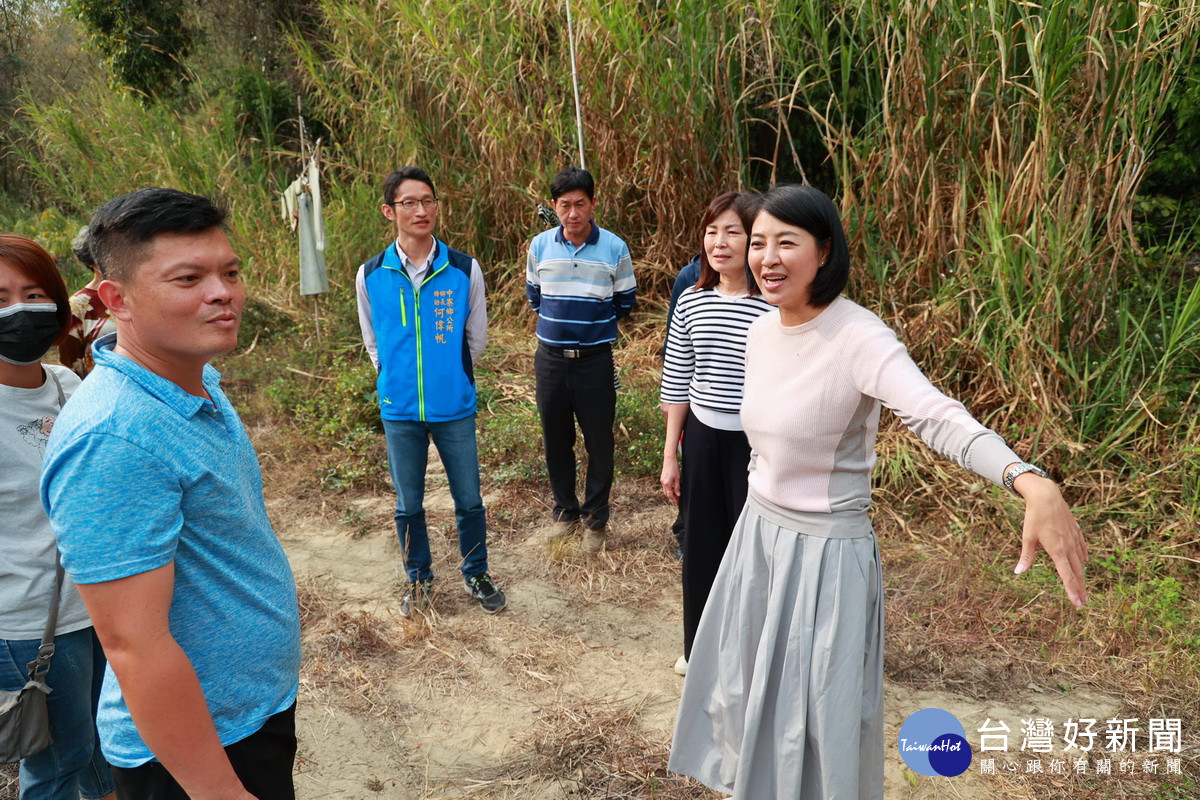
429 203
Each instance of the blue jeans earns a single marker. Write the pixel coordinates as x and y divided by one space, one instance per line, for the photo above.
73 765
408 455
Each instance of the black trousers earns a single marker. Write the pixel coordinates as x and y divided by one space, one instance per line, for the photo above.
263 761
713 481
577 389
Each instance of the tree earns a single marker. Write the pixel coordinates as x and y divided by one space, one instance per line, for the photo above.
143 41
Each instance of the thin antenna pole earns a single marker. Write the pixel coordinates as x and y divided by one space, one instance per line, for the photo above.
575 83
303 135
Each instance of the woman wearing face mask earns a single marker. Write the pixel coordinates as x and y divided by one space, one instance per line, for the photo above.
34 315
703 367
784 695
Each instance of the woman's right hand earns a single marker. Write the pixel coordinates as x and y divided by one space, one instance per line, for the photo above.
670 478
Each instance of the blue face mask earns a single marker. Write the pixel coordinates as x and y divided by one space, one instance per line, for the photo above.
26 332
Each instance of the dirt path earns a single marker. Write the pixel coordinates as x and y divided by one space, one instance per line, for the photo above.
567 693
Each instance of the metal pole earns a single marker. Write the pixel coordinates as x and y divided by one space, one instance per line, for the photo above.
317 317
575 83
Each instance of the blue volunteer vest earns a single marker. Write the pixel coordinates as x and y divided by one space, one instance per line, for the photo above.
424 365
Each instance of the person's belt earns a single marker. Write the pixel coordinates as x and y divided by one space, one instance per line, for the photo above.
578 352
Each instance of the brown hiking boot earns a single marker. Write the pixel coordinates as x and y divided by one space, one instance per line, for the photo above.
594 541
559 531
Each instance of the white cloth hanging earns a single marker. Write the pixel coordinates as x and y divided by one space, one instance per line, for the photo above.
289 203
313 278
300 205
313 177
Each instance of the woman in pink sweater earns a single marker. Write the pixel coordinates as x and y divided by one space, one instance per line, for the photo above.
784 692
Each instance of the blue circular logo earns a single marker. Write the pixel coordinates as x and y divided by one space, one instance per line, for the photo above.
933 742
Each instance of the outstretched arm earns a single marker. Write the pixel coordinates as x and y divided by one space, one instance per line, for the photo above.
879 366
1050 525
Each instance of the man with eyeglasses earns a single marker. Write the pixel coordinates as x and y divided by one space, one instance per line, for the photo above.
423 314
579 280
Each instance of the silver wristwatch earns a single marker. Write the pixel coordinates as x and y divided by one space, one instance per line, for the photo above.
1020 469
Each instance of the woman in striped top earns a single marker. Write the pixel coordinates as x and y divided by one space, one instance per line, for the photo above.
703 370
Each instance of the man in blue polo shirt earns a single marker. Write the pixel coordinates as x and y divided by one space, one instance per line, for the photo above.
423 314
579 280
155 495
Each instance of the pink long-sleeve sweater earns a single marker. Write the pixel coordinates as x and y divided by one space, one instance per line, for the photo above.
811 409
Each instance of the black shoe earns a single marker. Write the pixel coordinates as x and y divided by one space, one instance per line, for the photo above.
418 598
482 589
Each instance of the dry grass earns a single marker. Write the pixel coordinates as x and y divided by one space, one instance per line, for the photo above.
599 749
345 654
353 658
957 620
637 564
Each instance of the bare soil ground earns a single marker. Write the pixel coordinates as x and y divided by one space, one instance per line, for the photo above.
570 691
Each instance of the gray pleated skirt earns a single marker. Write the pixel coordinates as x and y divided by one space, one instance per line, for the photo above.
784 691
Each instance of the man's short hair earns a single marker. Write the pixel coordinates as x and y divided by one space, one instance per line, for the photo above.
123 229
570 179
410 173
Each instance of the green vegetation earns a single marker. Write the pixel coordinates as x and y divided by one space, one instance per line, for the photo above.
987 156
1018 179
144 44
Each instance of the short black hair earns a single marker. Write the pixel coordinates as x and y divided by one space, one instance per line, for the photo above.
570 179
82 248
410 173
122 229
811 209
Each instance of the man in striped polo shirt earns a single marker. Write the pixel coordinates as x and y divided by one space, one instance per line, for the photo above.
579 279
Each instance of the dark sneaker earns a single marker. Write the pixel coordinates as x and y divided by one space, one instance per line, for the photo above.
484 590
418 598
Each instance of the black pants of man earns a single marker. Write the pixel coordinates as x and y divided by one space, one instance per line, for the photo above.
713 478
577 385
263 762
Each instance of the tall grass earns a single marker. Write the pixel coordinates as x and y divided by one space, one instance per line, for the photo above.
96 144
480 94
986 157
